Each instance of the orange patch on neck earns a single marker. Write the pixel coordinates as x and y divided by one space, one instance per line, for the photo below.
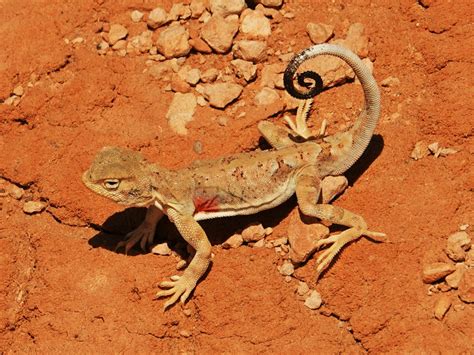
205 204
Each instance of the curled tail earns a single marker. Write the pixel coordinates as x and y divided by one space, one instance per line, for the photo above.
364 126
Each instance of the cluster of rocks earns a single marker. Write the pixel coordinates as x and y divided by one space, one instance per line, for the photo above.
457 275
15 96
217 27
423 149
12 191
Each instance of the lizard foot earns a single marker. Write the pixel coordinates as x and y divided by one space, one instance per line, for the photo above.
340 240
179 287
144 234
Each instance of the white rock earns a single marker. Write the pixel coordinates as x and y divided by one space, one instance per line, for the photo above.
319 32
225 8
244 69
161 249
181 112
141 43
454 279
266 96
233 241
32 207
117 32
302 289
390 82
457 245
313 301
253 233
157 17
420 150
219 33
259 244
250 50
173 41
220 95
442 306
18 90
255 24
287 269
209 75
136 16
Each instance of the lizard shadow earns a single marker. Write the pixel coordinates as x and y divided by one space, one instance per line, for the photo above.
373 150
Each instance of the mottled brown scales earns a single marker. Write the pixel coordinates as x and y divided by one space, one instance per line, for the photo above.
243 183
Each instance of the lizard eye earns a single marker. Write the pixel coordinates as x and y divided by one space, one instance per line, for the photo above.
111 184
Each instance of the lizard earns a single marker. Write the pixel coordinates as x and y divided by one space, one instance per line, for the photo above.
244 183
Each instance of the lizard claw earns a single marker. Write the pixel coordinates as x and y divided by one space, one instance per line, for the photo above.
338 241
144 233
179 288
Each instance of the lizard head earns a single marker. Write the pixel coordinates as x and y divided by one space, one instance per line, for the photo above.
121 175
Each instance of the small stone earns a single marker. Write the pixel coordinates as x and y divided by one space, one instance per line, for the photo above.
272 75
443 287
197 8
250 50
173 41
187 312
179 85
102 47
259 244
157 17
18 90
319 32
225 8
313 301
270 3
464 227
433 148
287 269
136 16
457 245
32 207
255 24
161 249
193 76
332 186
185 333
420 151
442 306
233 241
181 111
117 32
220 95
436 271
119 45
469 262
466 287
200 45
280 241
266 96
201 101
356 40
253 233
15 192
391 81
302 289
219 32
197 147
454 279
209 75
244 69
268 231
222 120
179 11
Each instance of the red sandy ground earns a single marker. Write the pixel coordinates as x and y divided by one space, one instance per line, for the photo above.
64 289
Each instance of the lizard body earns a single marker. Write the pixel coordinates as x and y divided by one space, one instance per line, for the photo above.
241 184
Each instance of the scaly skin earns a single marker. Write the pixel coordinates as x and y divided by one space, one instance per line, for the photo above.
240 184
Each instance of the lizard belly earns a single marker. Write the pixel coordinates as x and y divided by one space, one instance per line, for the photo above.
211 208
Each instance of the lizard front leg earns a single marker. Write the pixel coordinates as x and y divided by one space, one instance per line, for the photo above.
144 233
182 286
307 193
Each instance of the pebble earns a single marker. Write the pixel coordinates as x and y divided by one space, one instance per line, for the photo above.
197 147
197 8
219 32
250 50
136 16
225 8
179 85
302 289
253 233
332 186
270 3
319 32
469 262
18 90
102 47
220 95
173 41
255 24
286 269
244 69
420 150
181 111
266 96
185 333
280 241
466 287
442 306
32 207
187 312
259 244
436 271
116 33
157 17
161 249
464 227
179 11
454 279
233 241
210 75
457 245
313 301
390 82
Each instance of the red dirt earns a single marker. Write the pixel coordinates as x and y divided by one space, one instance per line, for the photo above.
64 289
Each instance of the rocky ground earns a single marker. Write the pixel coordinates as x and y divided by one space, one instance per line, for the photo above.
181 81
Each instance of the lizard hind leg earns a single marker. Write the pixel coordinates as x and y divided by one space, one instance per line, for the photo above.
307 193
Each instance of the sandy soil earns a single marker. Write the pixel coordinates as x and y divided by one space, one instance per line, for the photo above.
64 289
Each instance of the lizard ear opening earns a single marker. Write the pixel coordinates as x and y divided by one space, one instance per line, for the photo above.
111 184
